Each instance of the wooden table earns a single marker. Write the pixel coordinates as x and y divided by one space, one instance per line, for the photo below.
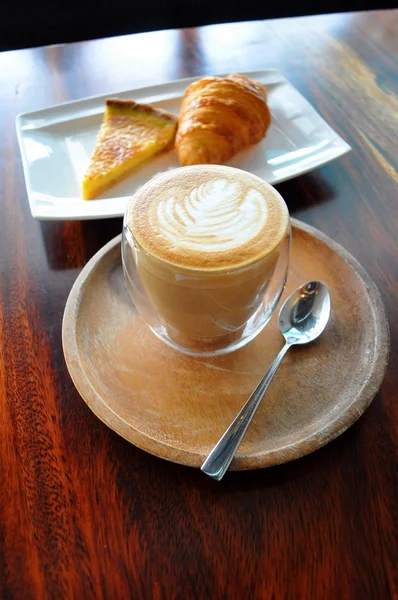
83 514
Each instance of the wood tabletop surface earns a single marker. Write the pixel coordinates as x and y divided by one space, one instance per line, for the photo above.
84 514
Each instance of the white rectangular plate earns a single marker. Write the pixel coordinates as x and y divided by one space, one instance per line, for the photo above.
56 144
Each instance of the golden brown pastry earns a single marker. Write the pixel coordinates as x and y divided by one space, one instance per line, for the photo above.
220 116
130 134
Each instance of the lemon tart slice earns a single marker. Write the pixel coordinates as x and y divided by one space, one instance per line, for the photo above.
130 134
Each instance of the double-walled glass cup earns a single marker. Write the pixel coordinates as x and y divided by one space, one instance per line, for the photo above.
201 312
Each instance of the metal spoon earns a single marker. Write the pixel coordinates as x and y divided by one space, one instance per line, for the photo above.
302 319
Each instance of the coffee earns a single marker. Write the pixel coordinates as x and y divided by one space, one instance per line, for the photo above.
206 242
208 218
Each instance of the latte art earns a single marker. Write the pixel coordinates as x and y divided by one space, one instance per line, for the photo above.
208 217
217 215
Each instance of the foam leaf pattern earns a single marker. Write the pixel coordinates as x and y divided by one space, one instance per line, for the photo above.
215 216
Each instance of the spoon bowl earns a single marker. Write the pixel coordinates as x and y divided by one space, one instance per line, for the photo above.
305 313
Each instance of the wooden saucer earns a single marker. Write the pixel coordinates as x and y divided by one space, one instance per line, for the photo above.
177 406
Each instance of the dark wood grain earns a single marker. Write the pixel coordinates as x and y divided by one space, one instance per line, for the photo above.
83 514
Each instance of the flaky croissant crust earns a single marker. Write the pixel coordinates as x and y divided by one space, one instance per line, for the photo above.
220 116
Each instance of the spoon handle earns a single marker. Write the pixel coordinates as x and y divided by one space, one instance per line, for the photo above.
219 459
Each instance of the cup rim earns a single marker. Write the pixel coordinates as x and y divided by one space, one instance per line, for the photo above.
211 267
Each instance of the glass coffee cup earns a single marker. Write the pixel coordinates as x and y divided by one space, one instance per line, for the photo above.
205 253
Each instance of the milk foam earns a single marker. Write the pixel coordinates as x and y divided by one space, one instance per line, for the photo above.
217 215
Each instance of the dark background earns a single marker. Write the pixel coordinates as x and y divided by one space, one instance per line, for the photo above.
30 23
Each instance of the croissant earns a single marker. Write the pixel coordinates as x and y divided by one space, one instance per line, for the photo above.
220 116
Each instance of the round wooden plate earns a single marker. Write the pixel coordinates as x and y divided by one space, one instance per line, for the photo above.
177 406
